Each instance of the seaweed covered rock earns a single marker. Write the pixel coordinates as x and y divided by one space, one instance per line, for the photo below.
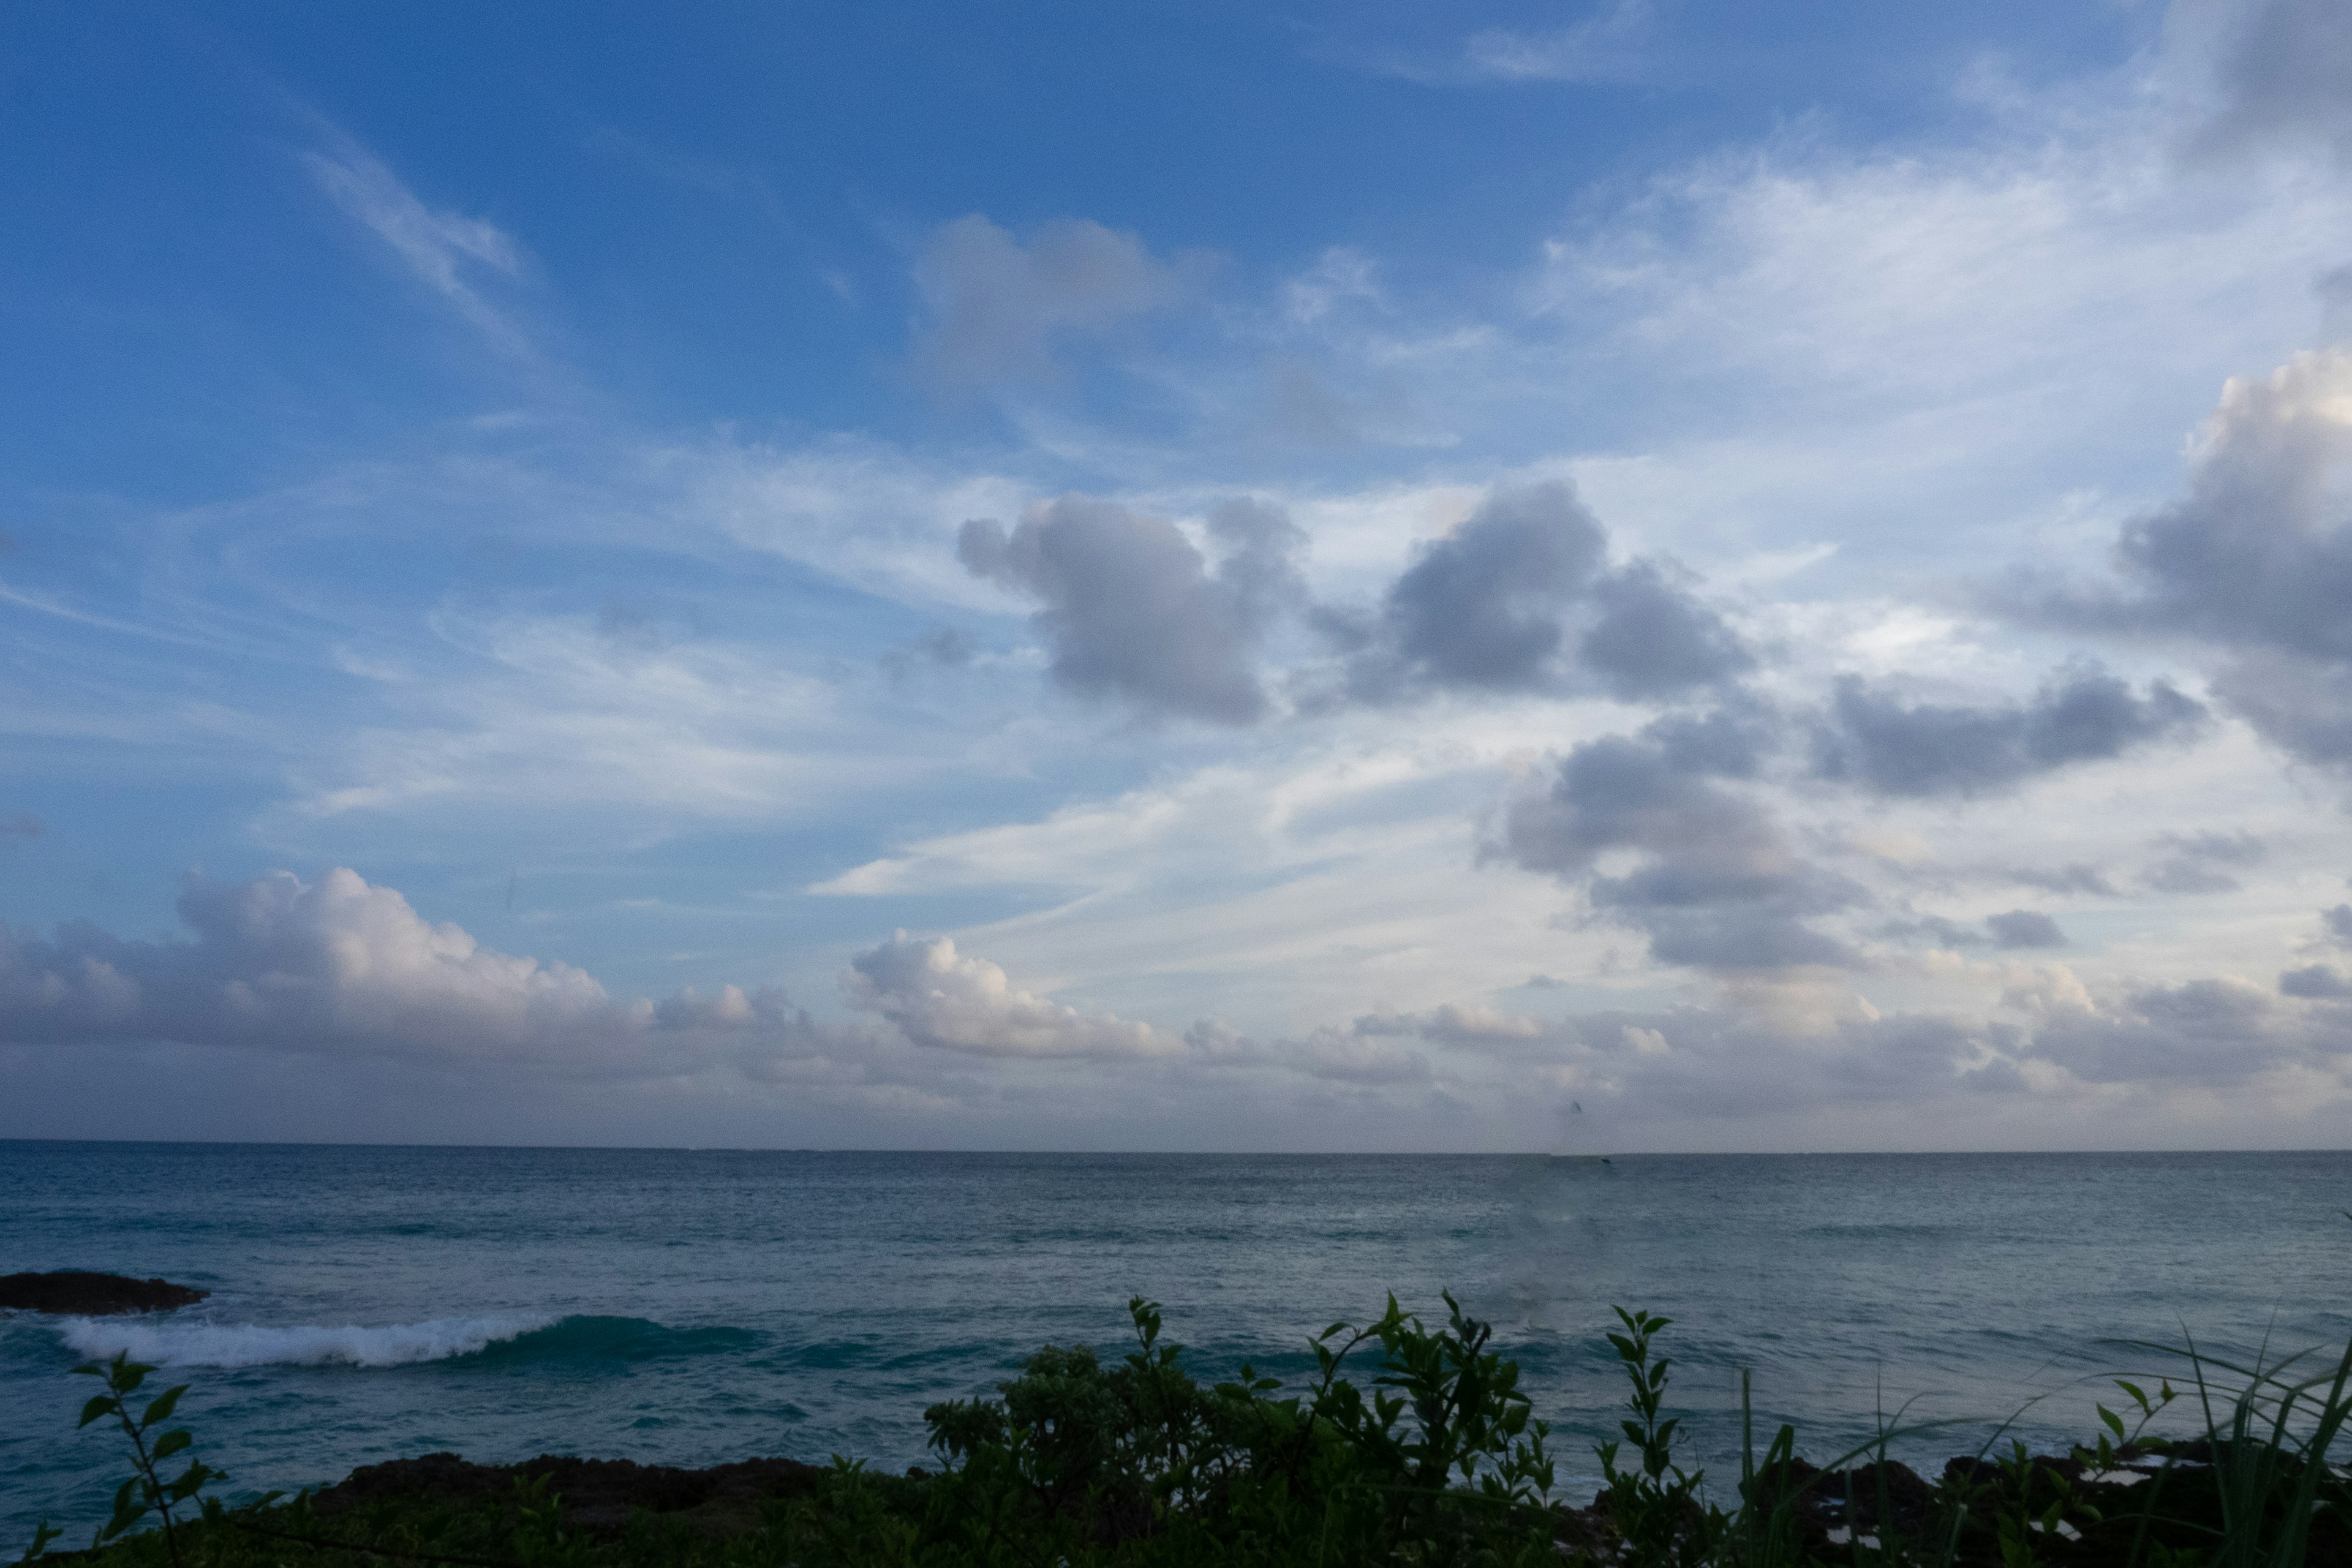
83 1294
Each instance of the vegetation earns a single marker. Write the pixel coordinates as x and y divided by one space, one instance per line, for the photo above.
1435 1459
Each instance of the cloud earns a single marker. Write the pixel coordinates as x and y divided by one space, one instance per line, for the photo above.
2024 929
996 308
1874 740
339 967
1607 46
2317 982
2338 921
1521 598
439 248
946 648
1714 881
2193 867
2278 76
2255 561
2012 930
2213 1033
946 1000
2076 878
1132 609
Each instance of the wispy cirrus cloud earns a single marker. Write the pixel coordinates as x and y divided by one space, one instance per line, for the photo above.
440 249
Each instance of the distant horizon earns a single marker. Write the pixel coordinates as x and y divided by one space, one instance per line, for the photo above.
1530 575
1198 1153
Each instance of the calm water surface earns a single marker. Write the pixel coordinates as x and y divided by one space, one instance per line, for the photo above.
695 1306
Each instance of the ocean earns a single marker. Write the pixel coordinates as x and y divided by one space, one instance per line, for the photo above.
690 1307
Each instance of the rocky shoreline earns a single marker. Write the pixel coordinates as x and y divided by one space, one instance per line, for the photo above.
80 1293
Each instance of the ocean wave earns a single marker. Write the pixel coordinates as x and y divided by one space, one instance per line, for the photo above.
488 1341
306 1345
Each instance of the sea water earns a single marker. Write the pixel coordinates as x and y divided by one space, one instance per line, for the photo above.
695 1306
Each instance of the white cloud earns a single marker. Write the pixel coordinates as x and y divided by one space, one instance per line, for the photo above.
340 967
438 248
955 1002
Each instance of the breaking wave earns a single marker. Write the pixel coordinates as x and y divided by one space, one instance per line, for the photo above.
250 1344
499 1340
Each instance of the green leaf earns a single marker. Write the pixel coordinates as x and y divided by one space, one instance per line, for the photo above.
160 1407
103 1405
171 1443
2115 1422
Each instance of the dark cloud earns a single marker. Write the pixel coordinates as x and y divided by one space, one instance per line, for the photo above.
996 308
1485 606
2024 929
2196 858
1652 639
2317 982
1132 610
1714 882
1521 598
2280 70
2338 921
2254 563
1876 740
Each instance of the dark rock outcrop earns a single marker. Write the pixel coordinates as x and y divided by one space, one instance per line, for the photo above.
83 1294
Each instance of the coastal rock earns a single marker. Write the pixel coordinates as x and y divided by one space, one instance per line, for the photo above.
79 1293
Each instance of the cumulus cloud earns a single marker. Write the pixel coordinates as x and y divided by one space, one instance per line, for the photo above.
1133 610
1714 881
1521 598
340 967
2255 561
1876 740
952 1001
997 306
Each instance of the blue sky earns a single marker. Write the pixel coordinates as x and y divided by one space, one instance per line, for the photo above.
1647 575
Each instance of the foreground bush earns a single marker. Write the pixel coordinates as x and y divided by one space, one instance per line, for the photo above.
1434 1460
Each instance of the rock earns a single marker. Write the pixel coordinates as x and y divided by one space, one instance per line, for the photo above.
82 1294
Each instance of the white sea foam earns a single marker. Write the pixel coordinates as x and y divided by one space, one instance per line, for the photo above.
251 1344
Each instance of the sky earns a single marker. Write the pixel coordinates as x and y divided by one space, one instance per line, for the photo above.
1648 575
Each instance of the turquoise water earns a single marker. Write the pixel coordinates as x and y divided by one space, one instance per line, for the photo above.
695 1306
